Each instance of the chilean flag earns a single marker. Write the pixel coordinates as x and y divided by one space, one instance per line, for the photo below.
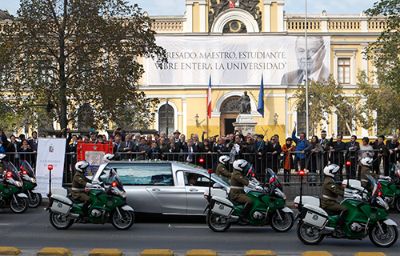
209 99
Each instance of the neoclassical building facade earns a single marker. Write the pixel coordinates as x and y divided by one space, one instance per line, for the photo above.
183 102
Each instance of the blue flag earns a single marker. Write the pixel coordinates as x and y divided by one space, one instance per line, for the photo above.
260 107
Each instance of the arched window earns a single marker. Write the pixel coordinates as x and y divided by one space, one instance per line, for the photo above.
235 26
166 118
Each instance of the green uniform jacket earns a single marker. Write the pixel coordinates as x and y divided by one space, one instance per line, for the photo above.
330 194
223 171
364 171
237 184
78 185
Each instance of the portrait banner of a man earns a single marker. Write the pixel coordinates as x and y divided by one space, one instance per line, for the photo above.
239 60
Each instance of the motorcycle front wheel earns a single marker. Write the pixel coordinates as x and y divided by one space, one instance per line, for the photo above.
308 234
19 204
282 222
123 221
35 199
217 223
385 237
60 221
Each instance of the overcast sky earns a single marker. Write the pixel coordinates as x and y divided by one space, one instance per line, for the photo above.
176 7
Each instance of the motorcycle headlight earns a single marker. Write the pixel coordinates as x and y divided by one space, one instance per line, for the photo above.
33 180
18 183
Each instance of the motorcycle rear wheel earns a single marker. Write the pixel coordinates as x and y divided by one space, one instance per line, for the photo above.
19 205
385 239
284 224
308 234
35 200
217 223
128 218
60 221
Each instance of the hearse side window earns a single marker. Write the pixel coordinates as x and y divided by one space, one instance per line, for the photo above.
139 174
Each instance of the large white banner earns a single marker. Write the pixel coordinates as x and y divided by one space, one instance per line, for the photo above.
50 151
239 60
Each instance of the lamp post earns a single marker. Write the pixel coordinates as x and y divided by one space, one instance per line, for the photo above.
50 167
306 70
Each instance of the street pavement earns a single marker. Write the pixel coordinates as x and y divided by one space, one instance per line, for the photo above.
31 231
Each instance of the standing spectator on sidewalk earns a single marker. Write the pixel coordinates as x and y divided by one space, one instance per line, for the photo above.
352 148
314 160
381 155
393 147
287 155
260 149
338 149
301 144
24 151
325 143
275 149
13 148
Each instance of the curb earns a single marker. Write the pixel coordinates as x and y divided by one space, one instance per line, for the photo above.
201 252
59 251
157 252
316 253
105 252
369 254
6 250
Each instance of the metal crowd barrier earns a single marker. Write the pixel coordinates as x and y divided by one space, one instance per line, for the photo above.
313 162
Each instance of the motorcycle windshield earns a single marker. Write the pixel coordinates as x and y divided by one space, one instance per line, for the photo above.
116 181
272 178
10 168
26 167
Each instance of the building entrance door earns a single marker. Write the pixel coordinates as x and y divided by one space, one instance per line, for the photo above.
229 113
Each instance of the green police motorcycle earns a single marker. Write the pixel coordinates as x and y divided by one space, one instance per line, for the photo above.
107 204
27 175
391 189
11 187
269 207
367 216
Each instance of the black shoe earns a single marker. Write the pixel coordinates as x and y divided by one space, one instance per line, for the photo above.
243 221
339 232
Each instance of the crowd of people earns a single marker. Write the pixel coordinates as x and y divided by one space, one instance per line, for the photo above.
296 153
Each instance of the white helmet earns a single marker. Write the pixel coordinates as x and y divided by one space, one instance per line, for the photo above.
331 170
367 161
240 164
108 157
2 156
81 166
224 159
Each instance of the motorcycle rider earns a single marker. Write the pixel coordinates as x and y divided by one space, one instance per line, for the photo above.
365 170
222 168
79 183
237 194
330 193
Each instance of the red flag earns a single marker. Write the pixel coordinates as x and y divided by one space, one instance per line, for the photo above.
209 99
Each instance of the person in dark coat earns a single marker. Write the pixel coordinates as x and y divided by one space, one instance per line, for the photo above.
381 155
393 147
338 149
352 148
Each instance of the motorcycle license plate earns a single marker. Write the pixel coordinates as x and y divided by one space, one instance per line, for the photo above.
314 219
60 207
221 209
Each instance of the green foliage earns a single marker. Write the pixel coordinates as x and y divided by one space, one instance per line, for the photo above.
383 101
327 98
385 52
65 53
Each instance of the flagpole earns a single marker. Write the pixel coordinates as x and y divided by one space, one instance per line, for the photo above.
307 110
